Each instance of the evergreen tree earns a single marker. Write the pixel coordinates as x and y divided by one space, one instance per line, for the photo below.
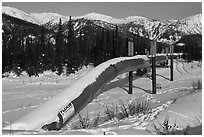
29 58
116 41
15 51
85 49
82 49
73 47
69 54
113 44
58 46
108 45
42 54
5 53
103 47
126 47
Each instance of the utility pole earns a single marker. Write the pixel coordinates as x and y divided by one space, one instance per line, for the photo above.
153 53
171 62
130 53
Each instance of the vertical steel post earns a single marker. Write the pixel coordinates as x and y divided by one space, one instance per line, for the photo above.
130 53
167 52
153 47
130 82
171 63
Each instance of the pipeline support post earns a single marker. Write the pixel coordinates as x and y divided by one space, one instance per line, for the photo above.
130 53
171 63
153 53
167 52
130 82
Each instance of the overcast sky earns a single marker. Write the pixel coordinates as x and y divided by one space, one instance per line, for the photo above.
153 10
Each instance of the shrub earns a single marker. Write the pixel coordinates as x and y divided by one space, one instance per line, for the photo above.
96 121
196 85
109 112
138 107
166 129
132 108
122 111
85 122
115 111
82 123
199 64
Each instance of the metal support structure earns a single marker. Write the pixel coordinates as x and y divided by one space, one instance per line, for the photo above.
171 63
167 61
153 53
130 82
130 53
154 75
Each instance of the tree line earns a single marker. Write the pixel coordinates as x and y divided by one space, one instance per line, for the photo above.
25 48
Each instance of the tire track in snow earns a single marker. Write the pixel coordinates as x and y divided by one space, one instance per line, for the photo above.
7 111
180 114
139 122
177 68
28 96
183 67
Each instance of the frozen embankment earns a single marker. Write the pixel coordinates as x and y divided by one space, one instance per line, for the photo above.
59 110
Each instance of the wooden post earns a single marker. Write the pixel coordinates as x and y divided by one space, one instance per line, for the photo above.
130 53
153 53
171 62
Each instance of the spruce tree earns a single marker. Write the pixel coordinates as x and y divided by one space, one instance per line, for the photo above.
69 47
108 45
113 44
117 44
73 62
58 47
5 53
42 51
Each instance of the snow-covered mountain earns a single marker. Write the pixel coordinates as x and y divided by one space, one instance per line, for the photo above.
53 18
96 16
19 14
192 25
149 28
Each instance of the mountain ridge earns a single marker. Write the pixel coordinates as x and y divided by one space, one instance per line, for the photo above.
145 27
92 15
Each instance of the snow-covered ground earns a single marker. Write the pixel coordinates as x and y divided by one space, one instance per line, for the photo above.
22 94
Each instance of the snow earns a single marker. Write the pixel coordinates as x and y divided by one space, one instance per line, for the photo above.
43 18
178 89
186 111
96 16
19 14
23 94
53 106
109 19
49 17
192 25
